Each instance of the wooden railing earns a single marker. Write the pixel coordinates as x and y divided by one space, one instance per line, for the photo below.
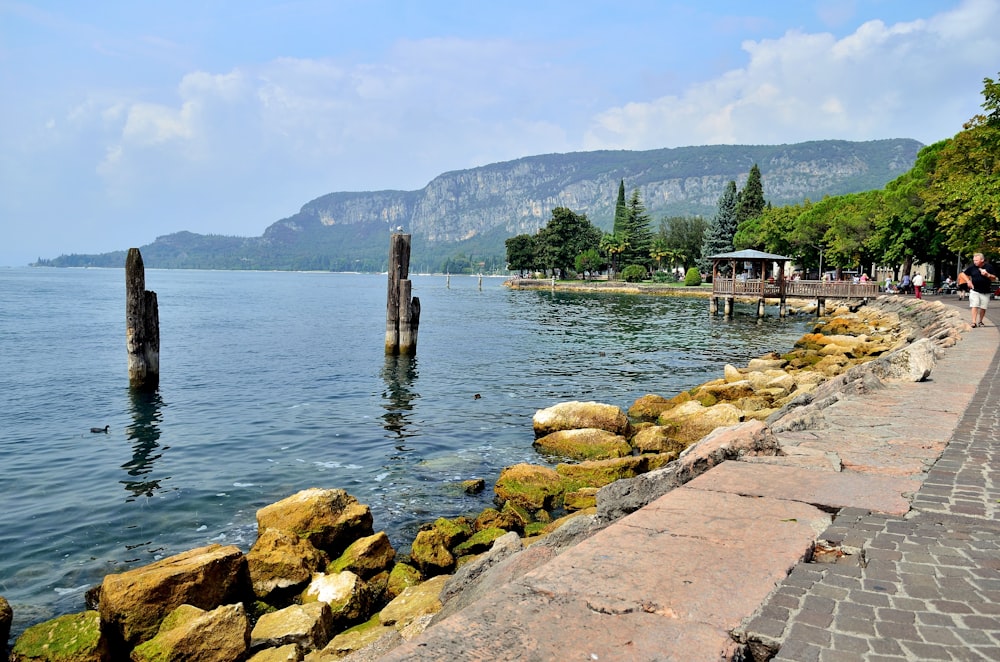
806 289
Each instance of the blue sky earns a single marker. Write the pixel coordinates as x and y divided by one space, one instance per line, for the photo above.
121 121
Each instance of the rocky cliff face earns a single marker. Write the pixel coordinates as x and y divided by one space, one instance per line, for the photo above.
518 196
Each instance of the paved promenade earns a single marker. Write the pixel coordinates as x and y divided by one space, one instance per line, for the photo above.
904 527
927 585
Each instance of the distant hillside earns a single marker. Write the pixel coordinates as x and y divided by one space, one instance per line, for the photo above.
471 212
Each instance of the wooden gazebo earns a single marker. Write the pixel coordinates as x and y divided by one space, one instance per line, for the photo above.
746 274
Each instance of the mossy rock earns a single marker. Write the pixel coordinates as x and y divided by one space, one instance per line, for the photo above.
583 444
530 486
598 473
581 499
656 461
431 552
366 556
69 638
657 439
534 529
402 576
648 407
473 485
480 542
514 517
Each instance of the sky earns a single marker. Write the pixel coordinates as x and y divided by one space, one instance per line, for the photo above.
125 120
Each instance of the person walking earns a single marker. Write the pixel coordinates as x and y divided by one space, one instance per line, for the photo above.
918 285
983 275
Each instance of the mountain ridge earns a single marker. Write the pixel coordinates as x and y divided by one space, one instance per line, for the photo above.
471 212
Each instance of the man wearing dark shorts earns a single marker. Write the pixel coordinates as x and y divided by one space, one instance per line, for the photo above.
983 276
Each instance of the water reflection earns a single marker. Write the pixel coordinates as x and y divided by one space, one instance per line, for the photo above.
399 373
144 434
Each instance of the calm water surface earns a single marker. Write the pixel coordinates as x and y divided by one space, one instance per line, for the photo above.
276 382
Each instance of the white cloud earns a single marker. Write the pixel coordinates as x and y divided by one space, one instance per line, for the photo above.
814 86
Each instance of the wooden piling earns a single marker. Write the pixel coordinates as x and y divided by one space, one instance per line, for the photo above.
142 326
402 315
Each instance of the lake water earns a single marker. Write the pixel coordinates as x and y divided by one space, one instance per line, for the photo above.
275 382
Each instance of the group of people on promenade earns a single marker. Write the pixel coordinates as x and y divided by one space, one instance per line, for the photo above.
977 283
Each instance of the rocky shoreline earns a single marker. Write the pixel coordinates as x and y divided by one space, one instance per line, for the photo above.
319 584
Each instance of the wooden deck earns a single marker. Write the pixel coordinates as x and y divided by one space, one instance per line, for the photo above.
803 289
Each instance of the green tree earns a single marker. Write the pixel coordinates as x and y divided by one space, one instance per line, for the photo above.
566 235
589 262
751 201
685 235
722 228
638 234
621 213
522 253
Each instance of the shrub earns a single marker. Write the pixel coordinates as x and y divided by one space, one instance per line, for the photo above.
693 277
664 277
634 273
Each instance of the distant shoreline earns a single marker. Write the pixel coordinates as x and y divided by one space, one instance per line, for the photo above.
616 287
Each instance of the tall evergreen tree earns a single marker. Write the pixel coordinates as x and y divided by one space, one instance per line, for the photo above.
751 202
638 233
621 213
722 228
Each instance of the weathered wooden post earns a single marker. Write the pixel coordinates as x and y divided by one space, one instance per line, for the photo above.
142 326
402 315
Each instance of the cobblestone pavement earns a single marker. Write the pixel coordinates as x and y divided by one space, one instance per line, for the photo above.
925 586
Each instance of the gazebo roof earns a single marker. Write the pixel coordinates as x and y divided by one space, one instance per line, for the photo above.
749 254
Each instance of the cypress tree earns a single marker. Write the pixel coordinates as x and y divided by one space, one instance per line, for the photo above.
621 213
751 200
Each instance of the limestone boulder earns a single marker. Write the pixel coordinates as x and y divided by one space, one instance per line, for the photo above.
308 626
414 602
354 639
574 415
347 595
649 407
657 439
690 421
768 363
911 363
329 519
583 444
134 603
286 653
530 486
366 556
732 374
69 638
190 634
280 561
729 391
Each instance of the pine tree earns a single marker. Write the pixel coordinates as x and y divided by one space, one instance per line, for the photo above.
621 213
638 233
722 228
751 199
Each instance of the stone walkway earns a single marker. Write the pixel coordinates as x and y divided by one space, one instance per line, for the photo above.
906 564
922 586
